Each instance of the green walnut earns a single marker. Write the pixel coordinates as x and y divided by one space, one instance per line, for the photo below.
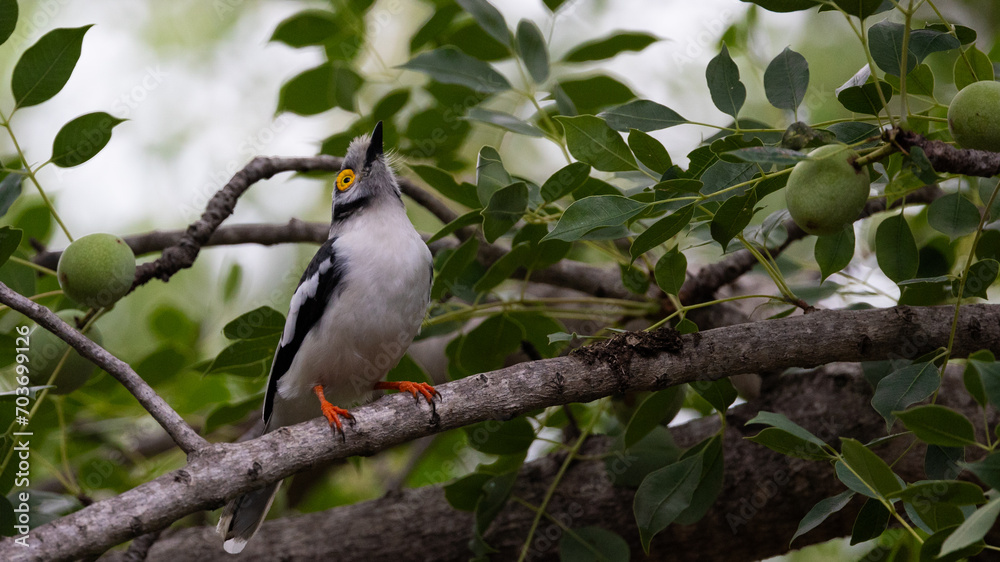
974 116
96 270
826 192
47 351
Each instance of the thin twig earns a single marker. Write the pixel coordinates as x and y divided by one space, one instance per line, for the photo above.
188 440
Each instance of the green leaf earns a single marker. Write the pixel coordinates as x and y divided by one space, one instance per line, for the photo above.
245 358
505 208
591 95
634 279
10 239
649 151
895 249
228 414
732 217
643 115
720 393
671 271
10 188
661 231
504 267
974 528
712 476
861 9
782 6
885 39
453 266
260 322
780 441
663 495
590 140
491 176
974 66
468 219
607 47
500 438
446 185
786 80
593 544
565 181
953 215
463 494
955 492
974 384
319 89
869 467
728 93
487 345
591 213
919 82
904 387
657 408
864 98
488 18
82 138
781 422
872 520
46 66
938 425
989 373
987 470
820 512
494 495
766 155
8 21
451 66
503 120
982 274
854 131
308 27
834 252
531 47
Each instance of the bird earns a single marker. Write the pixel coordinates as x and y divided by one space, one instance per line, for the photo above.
356 310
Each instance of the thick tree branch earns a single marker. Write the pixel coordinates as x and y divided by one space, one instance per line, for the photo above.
179 430
764 494
633 361
944 157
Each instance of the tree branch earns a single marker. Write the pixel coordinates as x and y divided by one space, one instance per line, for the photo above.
632 361
183 252
946 158
188 440
764 494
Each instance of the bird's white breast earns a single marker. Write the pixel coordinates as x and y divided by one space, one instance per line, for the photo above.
372 317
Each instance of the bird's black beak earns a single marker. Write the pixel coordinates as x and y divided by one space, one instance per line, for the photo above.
374 146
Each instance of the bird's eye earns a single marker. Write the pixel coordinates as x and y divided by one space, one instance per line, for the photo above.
344 179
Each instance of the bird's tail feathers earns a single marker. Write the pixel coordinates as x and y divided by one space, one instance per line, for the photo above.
242 517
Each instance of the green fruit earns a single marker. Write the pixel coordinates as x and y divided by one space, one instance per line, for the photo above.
974 116
825 193
47 350
96 270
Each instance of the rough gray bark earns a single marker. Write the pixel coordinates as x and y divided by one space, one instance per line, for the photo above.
632 361
762 500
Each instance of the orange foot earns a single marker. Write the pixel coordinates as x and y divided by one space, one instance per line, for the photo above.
331 412
412 387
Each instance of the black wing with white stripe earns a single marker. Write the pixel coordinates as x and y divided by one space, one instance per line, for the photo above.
311 297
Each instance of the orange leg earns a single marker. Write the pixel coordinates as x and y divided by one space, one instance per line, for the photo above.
412 387
331 412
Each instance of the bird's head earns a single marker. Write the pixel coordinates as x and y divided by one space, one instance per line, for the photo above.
365 177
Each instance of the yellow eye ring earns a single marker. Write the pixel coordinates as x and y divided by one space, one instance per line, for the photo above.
345 179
